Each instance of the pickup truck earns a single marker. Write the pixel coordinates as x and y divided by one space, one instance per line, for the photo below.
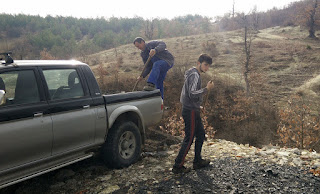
53 114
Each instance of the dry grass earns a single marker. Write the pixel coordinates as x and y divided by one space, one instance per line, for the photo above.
279 53
313 85
281 66
311 92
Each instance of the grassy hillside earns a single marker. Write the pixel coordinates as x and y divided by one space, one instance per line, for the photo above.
287 60
284 62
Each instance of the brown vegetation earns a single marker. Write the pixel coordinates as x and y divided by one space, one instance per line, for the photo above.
308 16
299 126
45 55
281 64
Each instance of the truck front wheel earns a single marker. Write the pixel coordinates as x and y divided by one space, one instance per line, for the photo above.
123 145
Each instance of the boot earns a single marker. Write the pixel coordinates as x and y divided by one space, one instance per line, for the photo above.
180 170
201 164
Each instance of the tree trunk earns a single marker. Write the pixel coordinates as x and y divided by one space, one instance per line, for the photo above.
149 29
246 66
233 9
312 20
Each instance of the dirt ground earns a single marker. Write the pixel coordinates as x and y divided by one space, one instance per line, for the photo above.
234 168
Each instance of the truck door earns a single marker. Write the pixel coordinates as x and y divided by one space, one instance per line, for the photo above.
25 124
70 107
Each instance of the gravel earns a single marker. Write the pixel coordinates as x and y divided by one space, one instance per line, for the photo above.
233 169
237 176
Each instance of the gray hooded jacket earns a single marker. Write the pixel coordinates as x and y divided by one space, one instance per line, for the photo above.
191 94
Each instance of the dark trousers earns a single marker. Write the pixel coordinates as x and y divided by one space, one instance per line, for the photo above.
158 74
193 128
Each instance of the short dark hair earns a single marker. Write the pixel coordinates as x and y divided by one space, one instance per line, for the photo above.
138 39
206 58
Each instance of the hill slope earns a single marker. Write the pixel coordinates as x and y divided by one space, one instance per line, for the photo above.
283 56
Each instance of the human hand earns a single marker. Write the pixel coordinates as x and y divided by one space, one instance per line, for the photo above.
152 52
210 85
139 78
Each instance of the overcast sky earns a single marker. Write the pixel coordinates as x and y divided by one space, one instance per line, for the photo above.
147 9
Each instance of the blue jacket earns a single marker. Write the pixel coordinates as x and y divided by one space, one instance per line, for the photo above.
161 54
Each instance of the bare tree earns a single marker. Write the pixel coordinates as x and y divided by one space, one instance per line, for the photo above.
149 29
233 9
255 18
309 16
22 48
247 22
312 19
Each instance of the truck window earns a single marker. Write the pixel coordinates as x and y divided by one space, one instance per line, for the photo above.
20 87
63 83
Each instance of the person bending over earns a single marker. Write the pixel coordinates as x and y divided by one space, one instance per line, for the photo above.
161 61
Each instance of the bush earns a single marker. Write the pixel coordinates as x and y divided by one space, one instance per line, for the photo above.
242 119
298 127
210 48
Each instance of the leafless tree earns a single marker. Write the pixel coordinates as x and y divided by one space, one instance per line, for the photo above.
233 9
247 22
255 18
149 29
309 16
312 19
22 48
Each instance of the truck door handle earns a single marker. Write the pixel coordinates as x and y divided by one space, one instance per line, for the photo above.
86 106
38 114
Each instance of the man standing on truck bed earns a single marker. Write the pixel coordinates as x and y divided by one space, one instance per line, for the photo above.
191 97
162 60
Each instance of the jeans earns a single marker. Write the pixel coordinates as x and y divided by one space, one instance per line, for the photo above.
158 74
193 128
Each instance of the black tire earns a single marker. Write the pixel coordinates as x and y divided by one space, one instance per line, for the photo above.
123 145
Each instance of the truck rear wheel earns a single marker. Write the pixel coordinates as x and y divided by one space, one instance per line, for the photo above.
123 145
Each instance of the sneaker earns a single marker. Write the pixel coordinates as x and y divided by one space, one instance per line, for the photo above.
180 170
201 164
149 87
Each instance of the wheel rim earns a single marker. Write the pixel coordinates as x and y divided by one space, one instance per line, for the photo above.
127 145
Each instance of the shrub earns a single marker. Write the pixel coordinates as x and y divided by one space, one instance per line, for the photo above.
45 55
210 48
242 119
298 127
101 77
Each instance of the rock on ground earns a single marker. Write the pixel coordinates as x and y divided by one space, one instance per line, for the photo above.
234 169
229 175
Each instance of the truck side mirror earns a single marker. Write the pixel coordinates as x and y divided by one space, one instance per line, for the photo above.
2 97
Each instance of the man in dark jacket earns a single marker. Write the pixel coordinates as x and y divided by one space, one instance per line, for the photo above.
162 60
191 98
